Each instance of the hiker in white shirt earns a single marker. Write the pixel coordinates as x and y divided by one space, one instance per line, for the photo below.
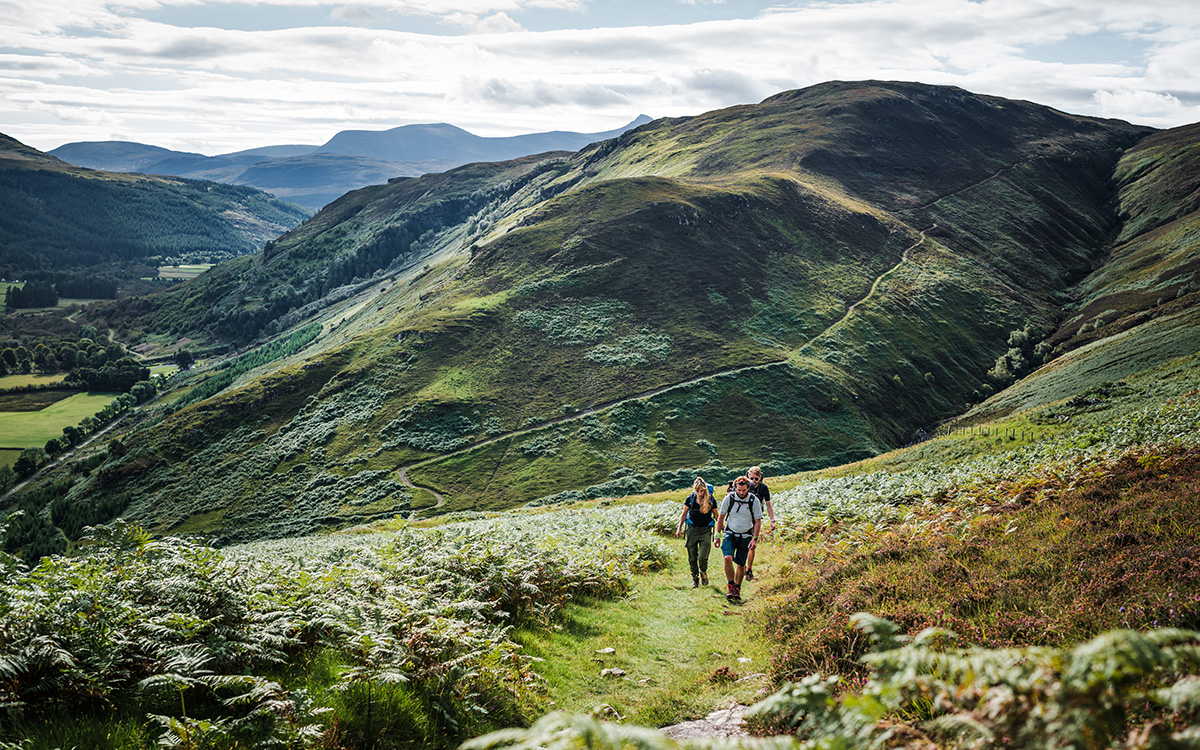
739 520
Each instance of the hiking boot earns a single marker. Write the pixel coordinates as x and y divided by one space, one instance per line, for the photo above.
749 574
732 589
703 579
737 593
695 583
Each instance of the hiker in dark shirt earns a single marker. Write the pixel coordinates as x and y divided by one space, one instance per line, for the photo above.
699 516
739 521
759 488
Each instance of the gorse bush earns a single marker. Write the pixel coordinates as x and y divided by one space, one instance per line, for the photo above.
631 350
584 321
438 433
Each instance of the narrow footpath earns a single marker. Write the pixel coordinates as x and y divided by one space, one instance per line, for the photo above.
402 472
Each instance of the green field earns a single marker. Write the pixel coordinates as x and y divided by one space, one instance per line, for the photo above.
31 401
183 272
18 381
24 429
4 285
8 457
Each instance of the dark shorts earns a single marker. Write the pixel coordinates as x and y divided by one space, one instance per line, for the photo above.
736 546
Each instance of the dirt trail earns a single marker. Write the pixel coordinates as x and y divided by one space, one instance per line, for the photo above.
402 472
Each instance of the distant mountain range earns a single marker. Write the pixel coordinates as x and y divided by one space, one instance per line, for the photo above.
315 175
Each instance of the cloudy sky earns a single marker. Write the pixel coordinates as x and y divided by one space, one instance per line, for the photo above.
221 75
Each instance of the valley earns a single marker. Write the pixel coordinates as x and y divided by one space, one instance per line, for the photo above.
408 468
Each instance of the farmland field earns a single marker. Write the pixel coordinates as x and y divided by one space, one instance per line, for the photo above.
8 457
18 381
26 429
183 272
27 401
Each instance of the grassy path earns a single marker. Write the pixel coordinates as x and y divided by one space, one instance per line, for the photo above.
670 639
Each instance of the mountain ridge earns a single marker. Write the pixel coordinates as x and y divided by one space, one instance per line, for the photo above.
315 175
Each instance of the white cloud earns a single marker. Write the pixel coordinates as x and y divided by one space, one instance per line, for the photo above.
1148 107
84 116
235 89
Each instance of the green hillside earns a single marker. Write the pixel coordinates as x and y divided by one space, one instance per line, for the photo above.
474 371
798 284
59 218
1049 578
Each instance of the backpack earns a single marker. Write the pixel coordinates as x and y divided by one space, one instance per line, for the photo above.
736 501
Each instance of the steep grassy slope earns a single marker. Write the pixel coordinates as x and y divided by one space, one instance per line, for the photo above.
1139 307
797 283
58 217
368 234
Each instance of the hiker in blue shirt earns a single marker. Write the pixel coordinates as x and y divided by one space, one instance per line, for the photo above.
699 511
740 518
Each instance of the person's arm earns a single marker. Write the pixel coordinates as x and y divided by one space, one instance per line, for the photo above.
757 529
771 513
682 516
720 525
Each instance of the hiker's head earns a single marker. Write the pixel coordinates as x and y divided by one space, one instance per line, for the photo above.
741 486
755 474
700 486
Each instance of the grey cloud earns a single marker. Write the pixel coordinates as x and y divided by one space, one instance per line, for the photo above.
30 64
359 15
191 48
542 94
634 49
726 85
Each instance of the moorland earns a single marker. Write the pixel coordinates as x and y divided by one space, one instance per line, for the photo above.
420 465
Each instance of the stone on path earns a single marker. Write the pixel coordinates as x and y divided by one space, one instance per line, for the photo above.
725 722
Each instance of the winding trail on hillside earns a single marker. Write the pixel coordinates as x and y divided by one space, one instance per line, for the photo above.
402 472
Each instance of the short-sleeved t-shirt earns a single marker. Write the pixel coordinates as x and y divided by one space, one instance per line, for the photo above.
695 517
740 514
763 492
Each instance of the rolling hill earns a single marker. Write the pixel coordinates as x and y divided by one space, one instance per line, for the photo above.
798 283
315 175
61 218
